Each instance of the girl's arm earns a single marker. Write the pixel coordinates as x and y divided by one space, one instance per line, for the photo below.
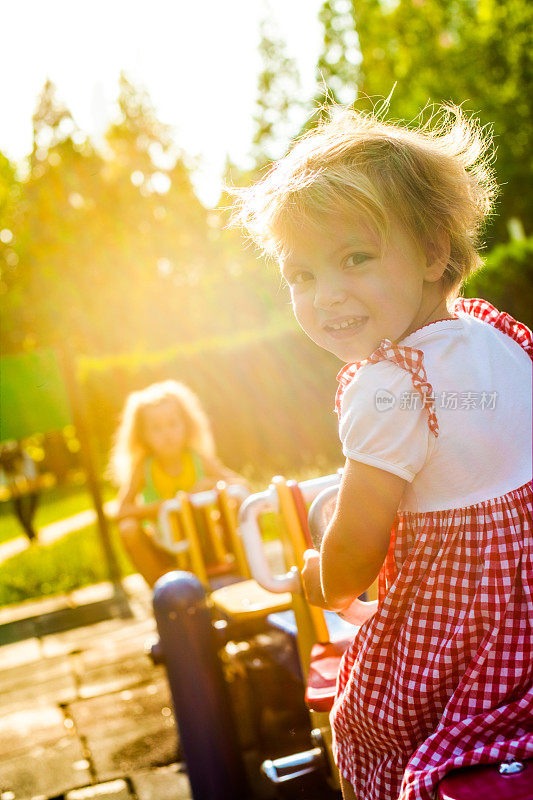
127 498
357 539
216 471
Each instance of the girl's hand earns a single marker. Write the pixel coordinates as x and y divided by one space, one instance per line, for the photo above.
204 484
311 579
217 471
138 510
355 612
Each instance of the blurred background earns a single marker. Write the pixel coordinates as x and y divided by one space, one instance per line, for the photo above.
122 121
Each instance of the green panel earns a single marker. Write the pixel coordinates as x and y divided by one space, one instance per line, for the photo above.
33 397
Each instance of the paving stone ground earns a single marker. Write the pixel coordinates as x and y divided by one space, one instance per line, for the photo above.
84 714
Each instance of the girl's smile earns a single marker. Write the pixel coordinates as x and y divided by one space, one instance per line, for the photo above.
349 291
344 327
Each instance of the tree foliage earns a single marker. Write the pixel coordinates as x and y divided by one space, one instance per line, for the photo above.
477 53
113 249
278 105
337 71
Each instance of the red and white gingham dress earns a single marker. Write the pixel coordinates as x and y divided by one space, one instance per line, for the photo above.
442 675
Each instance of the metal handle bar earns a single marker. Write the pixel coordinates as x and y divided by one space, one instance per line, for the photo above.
249 514
320 513
197 500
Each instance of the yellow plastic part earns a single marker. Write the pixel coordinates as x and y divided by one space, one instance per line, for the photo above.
290 515
212 517
248 600
181 559
320 720
310 620
372 591
228 510
191 534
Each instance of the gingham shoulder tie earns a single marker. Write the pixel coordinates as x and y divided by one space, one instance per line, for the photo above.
407 358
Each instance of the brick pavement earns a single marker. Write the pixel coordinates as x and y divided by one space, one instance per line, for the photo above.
83 712
85 715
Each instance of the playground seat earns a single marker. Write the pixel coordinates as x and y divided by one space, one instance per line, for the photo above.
322 676
489 781
247 600
341 634
201 531
338 629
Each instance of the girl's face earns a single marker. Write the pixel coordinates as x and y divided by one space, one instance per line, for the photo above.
348 294
163 428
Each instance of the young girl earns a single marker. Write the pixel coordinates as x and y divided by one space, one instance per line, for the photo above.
163 445
375 228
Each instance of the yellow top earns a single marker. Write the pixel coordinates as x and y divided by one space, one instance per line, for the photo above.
162 486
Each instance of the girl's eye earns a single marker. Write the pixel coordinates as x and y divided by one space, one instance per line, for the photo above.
355 259
300 277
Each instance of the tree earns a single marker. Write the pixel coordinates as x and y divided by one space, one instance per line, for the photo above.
12 279
138 138
279 107
337 71
113 250
52 124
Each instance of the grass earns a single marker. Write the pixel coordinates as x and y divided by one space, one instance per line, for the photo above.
71 562
54 504
77 559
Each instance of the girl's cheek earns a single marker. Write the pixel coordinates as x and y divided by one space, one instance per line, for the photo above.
300 295
299 309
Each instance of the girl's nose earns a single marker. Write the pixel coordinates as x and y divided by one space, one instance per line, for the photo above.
329 292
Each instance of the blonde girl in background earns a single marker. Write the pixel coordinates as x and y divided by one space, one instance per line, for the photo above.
375 227
163 445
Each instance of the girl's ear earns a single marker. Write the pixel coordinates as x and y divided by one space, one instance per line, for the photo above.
437 255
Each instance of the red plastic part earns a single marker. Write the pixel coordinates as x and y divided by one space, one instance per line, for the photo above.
322 677
485 783
301 510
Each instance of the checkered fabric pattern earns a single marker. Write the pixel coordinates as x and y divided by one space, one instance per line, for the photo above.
442 675
499 319
407 358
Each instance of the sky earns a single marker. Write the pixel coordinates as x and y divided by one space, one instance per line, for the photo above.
198 61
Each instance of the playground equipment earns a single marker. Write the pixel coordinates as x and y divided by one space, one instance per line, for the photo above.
200 531
320 636
245 608
242 638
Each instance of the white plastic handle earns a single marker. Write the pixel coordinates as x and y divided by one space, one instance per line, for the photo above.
198 500
321 512
166 538
249 515
313 487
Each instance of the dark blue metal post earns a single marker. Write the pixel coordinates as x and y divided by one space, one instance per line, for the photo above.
201 701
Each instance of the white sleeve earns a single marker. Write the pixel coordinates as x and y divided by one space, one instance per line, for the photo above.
382 421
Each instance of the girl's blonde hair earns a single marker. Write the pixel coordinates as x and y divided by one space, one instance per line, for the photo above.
433 178
129 448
